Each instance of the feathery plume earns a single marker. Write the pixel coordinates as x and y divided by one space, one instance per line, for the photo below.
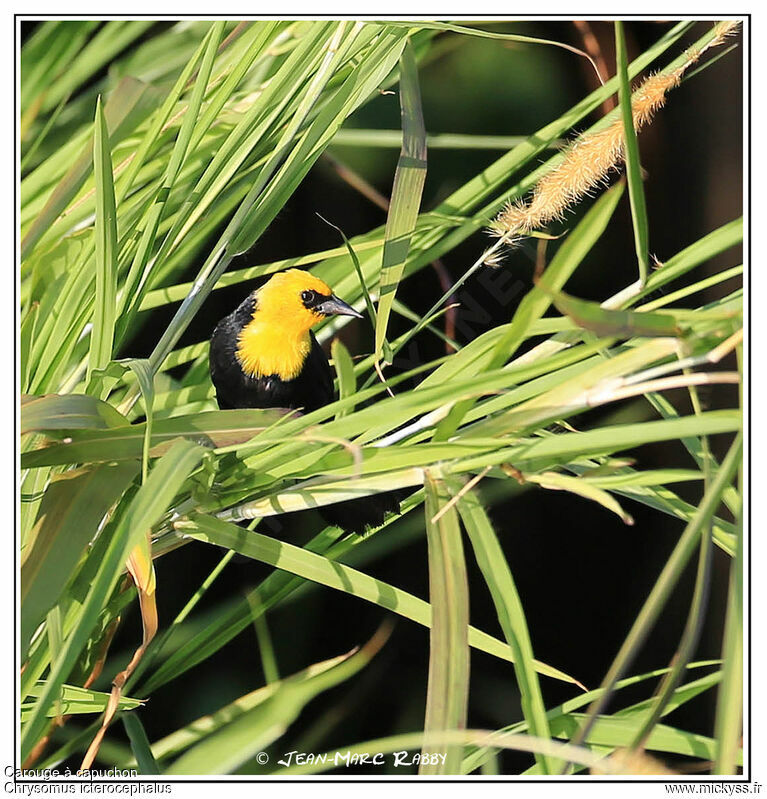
589 160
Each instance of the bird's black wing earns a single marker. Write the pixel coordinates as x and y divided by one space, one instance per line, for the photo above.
233 389
314 385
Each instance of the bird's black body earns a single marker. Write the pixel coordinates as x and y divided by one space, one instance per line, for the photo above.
311 389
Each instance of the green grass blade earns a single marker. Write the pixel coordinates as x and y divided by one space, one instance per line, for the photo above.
102 335
709 246
136 279
666 581
244 232
319 569
26 337
67 412
633 165
266 649
70 514
45 54
543 453
126 107
175 293
681 695
278 586
476 758
409 180
109 41
511 615
686 291
729 705
225 749
567 259
581 487
617 732
356 261
509 37
253 42
447 693
140 367
360 137
606 322
686 645
75 700
150 502
156 647
212 428
158 121
344 366
191 734
139 744
49 123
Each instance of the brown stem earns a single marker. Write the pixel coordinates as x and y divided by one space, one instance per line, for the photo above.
446 284
148 606
592 47
357 182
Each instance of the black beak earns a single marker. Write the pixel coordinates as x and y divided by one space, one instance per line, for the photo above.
332 306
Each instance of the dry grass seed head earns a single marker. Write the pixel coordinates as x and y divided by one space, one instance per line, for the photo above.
589 160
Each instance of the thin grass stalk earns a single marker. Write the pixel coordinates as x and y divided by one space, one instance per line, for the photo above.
728 724
663 586
695 618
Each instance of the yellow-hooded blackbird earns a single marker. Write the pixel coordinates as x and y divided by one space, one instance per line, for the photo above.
264 355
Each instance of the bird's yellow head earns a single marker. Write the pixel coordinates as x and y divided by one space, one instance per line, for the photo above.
276 341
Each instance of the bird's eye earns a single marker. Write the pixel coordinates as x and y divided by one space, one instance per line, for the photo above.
307 296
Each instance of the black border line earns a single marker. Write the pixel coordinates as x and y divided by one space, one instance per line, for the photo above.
747 215
574 779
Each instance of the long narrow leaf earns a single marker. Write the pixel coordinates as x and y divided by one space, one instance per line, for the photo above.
335 575
633 166
71 512
729 705
126 107
75 700
667 579
256 728
498 577
149 503
140 744
102 336
409 180
150 225
447 693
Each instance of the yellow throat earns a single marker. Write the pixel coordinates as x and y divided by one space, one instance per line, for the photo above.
277 341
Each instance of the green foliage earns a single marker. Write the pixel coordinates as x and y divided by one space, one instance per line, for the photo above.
447 694
188 160
633 166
